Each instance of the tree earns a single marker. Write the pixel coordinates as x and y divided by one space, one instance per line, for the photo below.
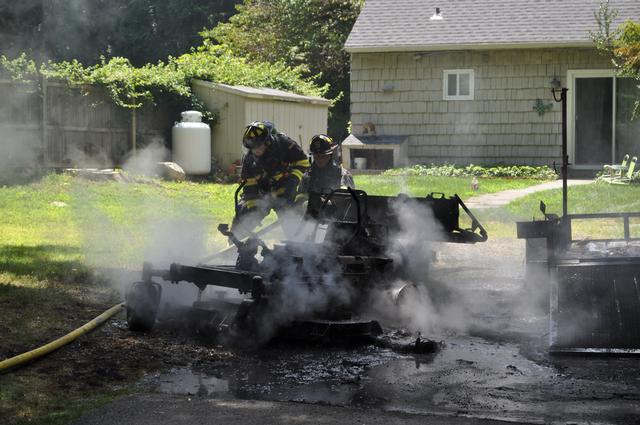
622 45
83 50
152 30
143 31
307 33
20 26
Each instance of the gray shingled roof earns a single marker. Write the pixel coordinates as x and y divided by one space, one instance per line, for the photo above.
404 25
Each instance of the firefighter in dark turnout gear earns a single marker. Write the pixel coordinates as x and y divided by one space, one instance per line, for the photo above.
271 172
325 175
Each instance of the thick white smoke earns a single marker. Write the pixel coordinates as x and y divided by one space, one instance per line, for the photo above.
20 146
119 248
18 156
305 288
145 161
181 241
415 300
78 158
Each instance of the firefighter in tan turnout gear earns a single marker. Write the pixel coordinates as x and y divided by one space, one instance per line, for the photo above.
271 171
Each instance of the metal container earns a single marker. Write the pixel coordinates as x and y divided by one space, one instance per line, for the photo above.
192 144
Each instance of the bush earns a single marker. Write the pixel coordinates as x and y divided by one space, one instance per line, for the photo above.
451 170
131 87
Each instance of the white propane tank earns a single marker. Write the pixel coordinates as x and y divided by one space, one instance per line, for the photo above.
192 143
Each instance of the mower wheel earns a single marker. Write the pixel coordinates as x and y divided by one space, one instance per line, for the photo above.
247 319
142 301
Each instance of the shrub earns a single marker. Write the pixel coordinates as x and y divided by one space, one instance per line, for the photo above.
131 87
451 170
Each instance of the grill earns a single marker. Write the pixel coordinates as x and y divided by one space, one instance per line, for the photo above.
595 306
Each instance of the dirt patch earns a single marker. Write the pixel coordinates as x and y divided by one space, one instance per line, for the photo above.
96 367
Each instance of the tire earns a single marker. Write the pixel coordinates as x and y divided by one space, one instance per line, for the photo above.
249 325
142 301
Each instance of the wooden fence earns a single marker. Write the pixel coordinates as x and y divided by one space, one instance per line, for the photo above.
66 127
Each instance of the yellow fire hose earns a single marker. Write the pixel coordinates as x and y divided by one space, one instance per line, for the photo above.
54 345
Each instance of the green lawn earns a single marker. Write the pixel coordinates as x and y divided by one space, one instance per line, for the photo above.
581 199
51 225
62 218
63 223
595 198
423 185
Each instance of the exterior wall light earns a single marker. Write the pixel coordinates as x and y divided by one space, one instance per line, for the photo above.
555 83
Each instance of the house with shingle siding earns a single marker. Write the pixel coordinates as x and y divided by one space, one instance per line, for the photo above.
469 81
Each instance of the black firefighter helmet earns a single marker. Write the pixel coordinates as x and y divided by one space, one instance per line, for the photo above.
322 144
258 133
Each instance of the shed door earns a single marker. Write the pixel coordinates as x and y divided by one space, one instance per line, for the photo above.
593 120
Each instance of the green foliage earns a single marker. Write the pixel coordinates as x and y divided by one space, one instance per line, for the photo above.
450 170
622 45
627 49
21 68
298 32
132 87
604 36
220 64
305 34
128 86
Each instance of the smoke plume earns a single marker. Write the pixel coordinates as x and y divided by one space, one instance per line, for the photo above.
414 300
20 146
307 281
145 161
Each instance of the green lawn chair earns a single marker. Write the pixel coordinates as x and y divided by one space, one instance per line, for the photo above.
615 170
626 178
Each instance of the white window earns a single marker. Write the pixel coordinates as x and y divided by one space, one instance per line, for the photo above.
457 84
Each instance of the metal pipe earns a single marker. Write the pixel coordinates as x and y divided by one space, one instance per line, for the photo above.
565 156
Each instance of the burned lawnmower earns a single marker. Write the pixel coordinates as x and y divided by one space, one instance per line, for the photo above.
313 287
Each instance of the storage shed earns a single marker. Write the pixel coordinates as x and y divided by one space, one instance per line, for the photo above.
300 117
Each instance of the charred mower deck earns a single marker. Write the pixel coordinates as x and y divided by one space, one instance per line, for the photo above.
337 266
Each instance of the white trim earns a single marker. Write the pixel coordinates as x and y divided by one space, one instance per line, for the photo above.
457 72
465 46
572 74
